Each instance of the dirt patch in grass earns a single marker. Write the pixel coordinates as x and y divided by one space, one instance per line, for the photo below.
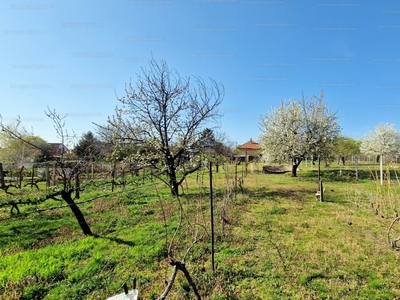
281 194
56 212
101 206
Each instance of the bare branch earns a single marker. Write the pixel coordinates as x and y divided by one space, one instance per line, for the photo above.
162 116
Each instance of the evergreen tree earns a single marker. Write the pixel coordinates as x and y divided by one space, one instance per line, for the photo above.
88 146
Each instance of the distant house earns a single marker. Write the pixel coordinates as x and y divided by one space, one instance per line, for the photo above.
248 151
56 150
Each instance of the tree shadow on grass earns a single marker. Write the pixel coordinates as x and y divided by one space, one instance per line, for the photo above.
25 233
116 240
264 193
334 175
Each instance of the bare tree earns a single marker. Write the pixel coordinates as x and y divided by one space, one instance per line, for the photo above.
66 172
163 115
296 129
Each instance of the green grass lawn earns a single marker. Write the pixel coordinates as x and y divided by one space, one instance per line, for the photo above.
275 241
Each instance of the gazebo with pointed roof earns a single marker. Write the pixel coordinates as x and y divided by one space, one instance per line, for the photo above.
249 151
250 145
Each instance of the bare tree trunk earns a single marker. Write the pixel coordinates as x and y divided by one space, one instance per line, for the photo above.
294 170
182 267
174 188
179 266
21 176
169 285
295 164
173 182
77 212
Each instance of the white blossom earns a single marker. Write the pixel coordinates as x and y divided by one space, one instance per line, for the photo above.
296 129
383 140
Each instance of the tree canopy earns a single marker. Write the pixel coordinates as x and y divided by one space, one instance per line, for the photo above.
88 146
345 147
17 152
297 129
17 146
381 141
385 139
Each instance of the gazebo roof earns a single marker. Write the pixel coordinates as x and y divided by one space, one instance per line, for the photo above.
250 145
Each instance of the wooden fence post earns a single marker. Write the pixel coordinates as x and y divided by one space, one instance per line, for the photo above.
235 188
321 191
54 175
123 178
212 219
47 176
357 167
113 176
33 173
2 184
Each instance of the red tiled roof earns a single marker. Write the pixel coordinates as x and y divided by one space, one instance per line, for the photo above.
250 145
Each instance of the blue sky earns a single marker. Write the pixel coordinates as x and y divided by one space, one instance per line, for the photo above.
74 56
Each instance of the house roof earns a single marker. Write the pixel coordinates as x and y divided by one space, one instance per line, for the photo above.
56 148
250 145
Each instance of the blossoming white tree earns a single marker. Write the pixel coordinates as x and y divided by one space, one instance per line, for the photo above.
384 140
297 129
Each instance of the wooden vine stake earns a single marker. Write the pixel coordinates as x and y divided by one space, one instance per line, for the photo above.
2 183
393 242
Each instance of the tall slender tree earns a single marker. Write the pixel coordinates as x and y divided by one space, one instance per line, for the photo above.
88 146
